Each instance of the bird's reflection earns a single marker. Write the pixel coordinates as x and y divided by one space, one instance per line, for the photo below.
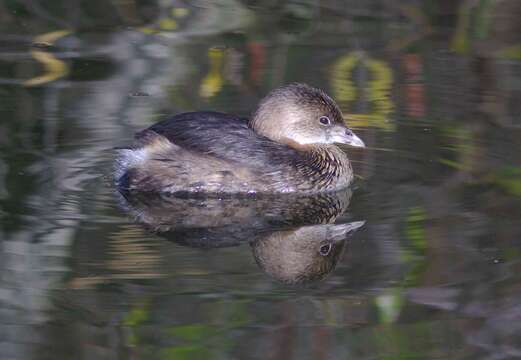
293 238
303 254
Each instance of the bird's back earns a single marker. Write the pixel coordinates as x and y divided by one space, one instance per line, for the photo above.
206 152
224 136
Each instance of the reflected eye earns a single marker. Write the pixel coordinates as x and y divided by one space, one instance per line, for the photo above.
324 120
325 249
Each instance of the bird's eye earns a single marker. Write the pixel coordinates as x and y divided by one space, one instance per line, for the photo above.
324 120
325 249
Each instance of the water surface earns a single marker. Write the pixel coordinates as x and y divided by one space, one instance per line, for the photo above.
433 273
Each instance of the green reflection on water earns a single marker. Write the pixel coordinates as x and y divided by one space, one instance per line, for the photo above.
509 180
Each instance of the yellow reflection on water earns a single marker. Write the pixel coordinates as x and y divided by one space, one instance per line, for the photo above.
377 90
213 81
132 255
54 68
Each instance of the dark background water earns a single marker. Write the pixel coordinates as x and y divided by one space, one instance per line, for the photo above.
433 88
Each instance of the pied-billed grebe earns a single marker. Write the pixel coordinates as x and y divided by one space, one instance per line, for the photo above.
287 146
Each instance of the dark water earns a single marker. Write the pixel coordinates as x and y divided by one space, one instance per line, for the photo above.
433 88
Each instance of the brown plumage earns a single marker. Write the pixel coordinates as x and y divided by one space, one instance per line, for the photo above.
288 146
